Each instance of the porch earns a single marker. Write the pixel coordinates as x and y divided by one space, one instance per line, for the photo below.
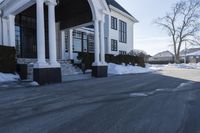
35 28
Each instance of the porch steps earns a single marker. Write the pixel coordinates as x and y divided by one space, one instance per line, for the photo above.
69 69
66 69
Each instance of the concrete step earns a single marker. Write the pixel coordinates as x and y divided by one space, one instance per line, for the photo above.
69 69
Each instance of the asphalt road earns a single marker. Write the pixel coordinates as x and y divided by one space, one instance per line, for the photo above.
142 103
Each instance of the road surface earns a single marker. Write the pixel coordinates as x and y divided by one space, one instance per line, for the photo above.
164 102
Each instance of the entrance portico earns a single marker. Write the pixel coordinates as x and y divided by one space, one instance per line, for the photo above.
58 12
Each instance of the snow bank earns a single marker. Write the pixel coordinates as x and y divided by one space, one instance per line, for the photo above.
183 66
122 69
8 77
34 83
180 66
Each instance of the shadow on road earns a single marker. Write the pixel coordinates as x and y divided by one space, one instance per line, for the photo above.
141 103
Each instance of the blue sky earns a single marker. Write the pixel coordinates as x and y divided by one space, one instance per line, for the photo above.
148 36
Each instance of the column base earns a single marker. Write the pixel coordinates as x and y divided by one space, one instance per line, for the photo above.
100 71
41 64
47 75
54 64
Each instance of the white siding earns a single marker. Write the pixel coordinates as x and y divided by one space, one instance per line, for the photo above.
114 34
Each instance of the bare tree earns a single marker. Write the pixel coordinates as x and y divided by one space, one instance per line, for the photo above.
182 24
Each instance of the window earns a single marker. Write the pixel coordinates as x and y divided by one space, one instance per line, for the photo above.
122 31
114 23
77 41
18 40
114 45
122 52
91 43
84 42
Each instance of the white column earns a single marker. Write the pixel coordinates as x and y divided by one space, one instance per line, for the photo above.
12 30
41 60
109 39
102 46
96 43
70 45
5 32
63 45
52 34
1 29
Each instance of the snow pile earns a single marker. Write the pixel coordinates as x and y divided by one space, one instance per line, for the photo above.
185 66
180 66
155 67
34 83
122 69
8 77
198 64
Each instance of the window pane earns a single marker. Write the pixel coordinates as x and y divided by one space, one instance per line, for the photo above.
114 23
123 32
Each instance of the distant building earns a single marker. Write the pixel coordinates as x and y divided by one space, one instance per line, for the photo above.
164 57
191 55
194 57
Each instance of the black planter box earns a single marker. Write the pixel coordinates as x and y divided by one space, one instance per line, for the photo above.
7 59
47 75
99 71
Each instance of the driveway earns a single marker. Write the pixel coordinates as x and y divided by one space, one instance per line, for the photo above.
163 102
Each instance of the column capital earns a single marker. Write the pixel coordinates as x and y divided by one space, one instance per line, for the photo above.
40 1
11 16
96 20
102 21
51 2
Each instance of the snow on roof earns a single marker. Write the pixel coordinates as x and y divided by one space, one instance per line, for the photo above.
164 54
194 53
188 51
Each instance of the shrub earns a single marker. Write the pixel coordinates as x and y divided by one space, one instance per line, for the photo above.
88 59
7 59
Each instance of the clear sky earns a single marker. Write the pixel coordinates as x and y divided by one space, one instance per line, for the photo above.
148 36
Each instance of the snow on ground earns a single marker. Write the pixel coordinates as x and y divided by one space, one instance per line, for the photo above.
179 66
4 77
129 69
184 66
179 88
34 83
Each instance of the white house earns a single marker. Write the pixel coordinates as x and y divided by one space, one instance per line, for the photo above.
37 28
118 31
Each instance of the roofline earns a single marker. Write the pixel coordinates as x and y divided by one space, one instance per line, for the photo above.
3 3
163 52
124 14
